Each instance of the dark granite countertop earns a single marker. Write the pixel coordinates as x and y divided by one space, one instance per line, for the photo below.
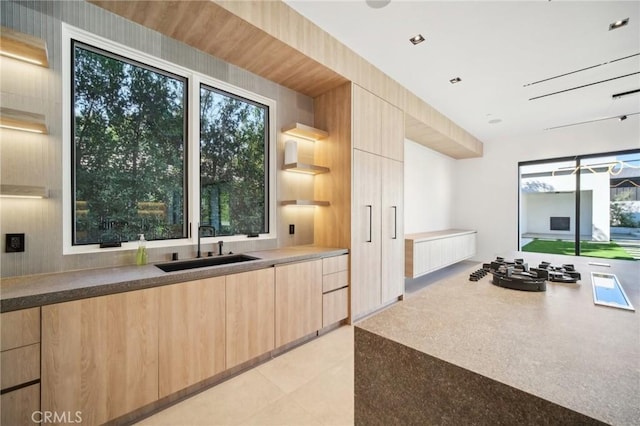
44 289
557 345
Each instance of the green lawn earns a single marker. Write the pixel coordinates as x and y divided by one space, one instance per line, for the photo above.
604 250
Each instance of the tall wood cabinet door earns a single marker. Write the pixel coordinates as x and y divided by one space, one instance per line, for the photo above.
392 132
366 116
392 229
366 233
298 300
100 355
250 315
192 333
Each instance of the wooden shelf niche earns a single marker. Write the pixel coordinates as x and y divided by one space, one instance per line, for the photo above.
22 120
23 47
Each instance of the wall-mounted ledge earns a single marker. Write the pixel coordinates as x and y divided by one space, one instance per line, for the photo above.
303 131
304 203
23 191
23 47
310 169
22 120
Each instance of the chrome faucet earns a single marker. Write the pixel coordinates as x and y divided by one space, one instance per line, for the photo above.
200 228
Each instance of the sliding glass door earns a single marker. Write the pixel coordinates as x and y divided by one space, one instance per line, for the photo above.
547 207
586 205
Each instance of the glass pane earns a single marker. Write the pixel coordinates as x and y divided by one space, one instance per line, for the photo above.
547 207
610 206
233 172
129 143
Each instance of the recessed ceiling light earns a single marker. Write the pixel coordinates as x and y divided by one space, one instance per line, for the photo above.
455 80
377 4
417 39
618 24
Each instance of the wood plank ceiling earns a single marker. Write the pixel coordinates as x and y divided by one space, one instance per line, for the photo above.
273 41
214 30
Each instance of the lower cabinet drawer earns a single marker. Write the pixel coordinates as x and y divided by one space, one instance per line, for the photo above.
21 406
335 306
20 365
334 281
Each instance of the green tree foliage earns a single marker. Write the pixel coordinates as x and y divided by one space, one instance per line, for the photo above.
232 163
129 143
620 212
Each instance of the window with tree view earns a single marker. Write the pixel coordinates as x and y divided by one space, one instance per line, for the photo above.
129 139
233 163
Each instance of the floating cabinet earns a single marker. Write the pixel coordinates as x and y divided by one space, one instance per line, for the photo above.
304 131
430 251
23 47
22 120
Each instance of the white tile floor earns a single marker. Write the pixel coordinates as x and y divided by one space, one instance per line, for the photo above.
310 385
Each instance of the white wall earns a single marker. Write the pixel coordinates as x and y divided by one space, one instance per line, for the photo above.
429 180
486 189
543 205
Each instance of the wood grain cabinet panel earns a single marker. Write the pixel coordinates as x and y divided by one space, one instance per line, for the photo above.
366 233
18 406
191 333
20 365
100 355
298 300
335 306
367 115
392 265
250 315
20 328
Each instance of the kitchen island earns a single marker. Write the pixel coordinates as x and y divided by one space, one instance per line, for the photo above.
463 352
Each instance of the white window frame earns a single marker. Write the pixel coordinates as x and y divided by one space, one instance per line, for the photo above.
195 79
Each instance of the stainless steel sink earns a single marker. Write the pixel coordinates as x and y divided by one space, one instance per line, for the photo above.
204 262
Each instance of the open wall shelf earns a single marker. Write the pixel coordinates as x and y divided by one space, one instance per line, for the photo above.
23 191
303 131
22 120
310 169
304 203
23 47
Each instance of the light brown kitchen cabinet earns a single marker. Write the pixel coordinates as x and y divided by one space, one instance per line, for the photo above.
378 126
20 366
392 250
298 308
250 303
100 355
377 213
191 333
20 328
366 232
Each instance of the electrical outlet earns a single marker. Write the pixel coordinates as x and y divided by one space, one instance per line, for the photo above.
14 243
292 229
